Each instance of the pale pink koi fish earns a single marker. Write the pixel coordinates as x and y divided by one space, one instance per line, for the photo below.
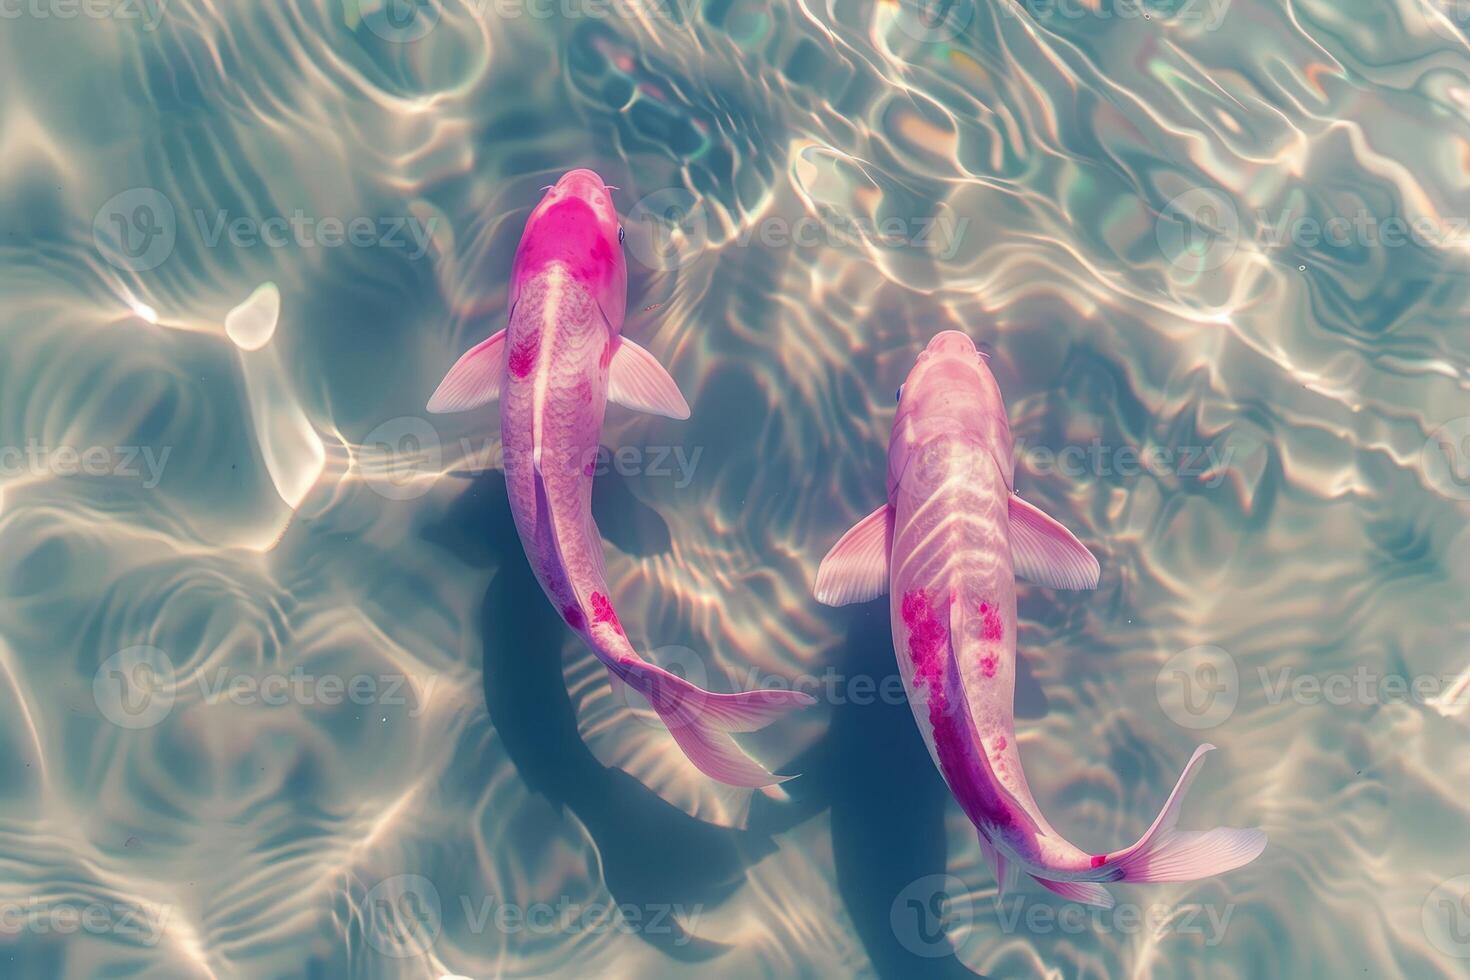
554 368
948 547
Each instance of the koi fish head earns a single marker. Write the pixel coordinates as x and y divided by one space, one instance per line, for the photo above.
577 228
950 416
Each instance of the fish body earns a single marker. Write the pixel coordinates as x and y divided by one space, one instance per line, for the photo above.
554 368
948 546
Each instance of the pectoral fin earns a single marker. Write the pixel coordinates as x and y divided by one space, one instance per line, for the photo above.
475 379
856 569
638 381
1006 873
1044 552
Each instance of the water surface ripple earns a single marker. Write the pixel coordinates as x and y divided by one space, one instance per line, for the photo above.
279 697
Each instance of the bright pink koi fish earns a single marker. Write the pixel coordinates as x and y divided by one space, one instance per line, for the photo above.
948 546
554 368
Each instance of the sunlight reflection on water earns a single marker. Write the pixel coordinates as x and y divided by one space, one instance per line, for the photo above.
282 699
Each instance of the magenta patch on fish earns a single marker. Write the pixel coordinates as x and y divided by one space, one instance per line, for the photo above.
926 633
603 612
523 356
567 233
927 638
990 624
953 737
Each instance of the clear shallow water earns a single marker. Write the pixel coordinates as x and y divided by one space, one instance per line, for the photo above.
282 699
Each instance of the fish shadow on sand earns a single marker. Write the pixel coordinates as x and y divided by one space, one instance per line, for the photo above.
871 769
654 856
888 805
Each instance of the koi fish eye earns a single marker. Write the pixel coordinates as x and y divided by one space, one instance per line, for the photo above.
898 395
620 234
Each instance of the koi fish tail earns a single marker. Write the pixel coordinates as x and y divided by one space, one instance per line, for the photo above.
1165 853
701 721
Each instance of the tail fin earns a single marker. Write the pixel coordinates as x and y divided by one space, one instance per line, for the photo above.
701 721
1166 854
1086 892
